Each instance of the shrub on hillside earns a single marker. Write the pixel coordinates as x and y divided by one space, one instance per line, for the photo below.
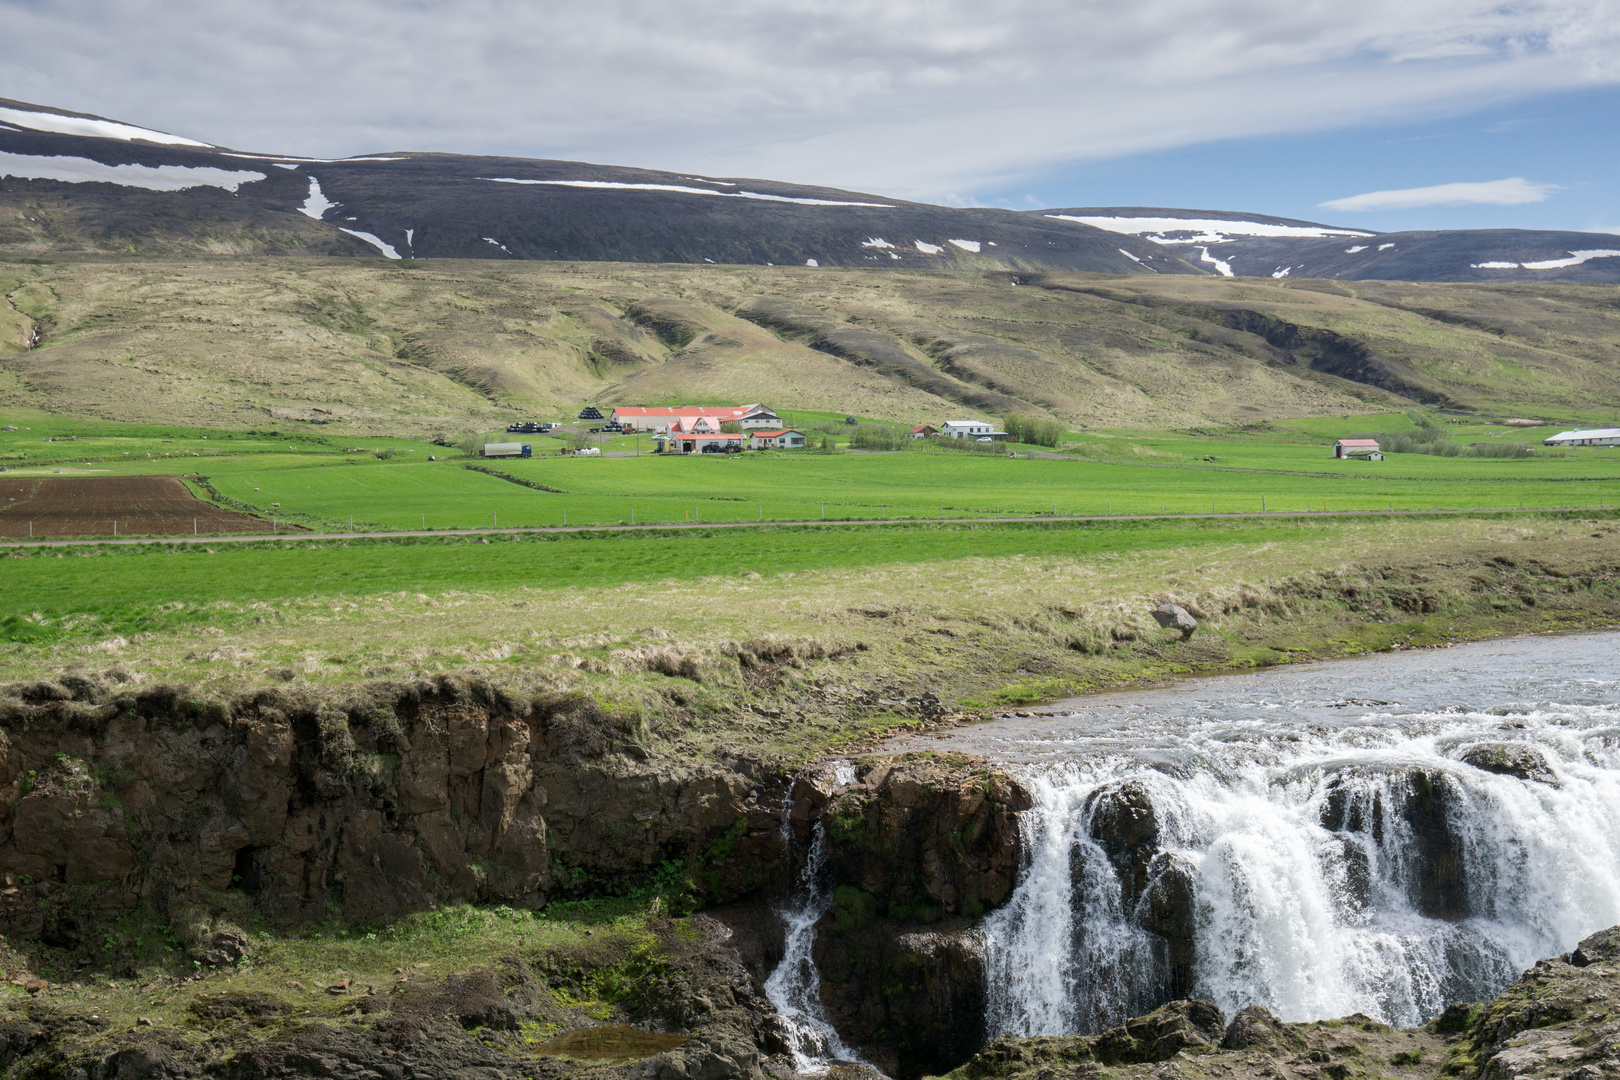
1029 430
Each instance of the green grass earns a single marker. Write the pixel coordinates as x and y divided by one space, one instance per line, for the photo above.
107 590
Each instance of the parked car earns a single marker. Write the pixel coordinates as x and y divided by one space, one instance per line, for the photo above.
984 438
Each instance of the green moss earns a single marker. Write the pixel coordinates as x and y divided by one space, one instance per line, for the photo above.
852 909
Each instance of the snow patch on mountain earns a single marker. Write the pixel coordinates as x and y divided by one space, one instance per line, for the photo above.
615 185
1204 230
1222 268
1385 247
1281 273
376 242
876 242
100 129
966 245
1576 258
1128 255
497 243
928 249
292 161
317 204
78 170
1353 250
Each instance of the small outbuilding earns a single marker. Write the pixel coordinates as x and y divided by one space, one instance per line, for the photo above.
923 431
1363 448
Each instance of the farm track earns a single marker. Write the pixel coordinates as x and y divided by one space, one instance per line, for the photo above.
1275 515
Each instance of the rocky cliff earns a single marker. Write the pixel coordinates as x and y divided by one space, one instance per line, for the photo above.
1561 1019
290 816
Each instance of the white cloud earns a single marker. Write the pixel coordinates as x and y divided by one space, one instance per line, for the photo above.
1514 191
859 94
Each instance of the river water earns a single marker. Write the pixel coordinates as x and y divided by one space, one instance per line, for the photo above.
1381 835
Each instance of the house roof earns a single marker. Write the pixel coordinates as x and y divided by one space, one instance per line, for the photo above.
1589 433
922 427
728 412
966 423
704 435
1357 442
775 434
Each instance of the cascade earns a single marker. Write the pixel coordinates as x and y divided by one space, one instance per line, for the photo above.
1315 855
792 985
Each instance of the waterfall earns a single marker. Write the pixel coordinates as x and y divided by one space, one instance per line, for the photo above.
793 985
1386 863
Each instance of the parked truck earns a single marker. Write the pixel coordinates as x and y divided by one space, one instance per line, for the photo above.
508 449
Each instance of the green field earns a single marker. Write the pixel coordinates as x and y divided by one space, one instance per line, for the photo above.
326 482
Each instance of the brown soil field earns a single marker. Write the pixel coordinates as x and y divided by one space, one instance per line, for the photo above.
90 505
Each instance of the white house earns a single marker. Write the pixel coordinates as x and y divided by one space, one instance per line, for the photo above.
759 417
777 440
1591 437
965 429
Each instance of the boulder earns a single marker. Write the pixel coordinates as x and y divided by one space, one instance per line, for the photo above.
1195 1026
1602 947
1511 759
1175 617
1255 1028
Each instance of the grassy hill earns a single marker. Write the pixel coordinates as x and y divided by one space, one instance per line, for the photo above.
420 348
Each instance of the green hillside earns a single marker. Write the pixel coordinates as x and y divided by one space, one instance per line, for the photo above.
446 346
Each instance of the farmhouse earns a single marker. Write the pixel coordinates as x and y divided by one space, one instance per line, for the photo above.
787 439
1367 448
687 417
923 431
965 429
1590 437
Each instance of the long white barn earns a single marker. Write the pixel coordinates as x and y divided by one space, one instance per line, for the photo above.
1592 437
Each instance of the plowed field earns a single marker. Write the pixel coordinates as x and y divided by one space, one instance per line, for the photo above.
103 505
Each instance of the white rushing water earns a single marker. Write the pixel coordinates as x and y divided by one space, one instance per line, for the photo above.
1271 839
793 985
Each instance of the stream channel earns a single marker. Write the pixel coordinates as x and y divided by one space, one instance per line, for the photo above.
1380 835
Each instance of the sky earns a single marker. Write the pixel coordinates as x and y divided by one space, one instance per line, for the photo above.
1380 114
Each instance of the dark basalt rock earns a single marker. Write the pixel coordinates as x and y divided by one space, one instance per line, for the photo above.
1121 819
1437 883
1602 947
1255 1028
1510 759
1168 909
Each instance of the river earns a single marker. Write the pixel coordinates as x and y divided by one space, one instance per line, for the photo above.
1381 835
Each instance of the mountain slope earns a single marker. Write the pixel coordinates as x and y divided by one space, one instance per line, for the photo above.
73 183
432 346
1256 245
